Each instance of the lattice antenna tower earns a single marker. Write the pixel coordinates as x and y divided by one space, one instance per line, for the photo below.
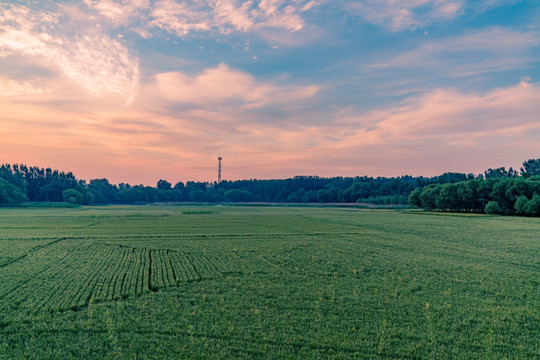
219 169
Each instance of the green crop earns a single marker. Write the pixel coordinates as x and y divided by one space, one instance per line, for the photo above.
144 282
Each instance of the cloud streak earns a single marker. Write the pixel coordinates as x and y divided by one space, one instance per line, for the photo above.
491 46
463 61
408 15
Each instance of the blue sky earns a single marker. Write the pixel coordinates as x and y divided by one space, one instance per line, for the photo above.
140 90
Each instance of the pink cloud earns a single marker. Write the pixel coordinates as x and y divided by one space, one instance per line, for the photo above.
179 18
222 83
449 114
119 11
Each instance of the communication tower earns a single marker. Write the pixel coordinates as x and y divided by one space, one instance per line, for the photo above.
219 169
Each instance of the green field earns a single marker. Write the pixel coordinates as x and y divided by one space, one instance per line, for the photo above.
267 282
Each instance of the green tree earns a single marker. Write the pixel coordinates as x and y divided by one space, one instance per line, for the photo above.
533 206
310 196
492 207
72 196
132 195
500 194
88 198
531 167
236 195
10 194
103 191
429 196
200 196
414 199
483 193
467 195
163 185
447 198
499 173
521 205
12 175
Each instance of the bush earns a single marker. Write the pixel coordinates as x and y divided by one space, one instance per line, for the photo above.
492 207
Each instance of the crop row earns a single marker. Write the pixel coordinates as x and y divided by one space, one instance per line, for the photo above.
68 275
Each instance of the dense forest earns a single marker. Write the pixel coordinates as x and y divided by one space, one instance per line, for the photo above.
495 191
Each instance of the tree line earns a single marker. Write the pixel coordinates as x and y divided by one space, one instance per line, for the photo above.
499 191
21 183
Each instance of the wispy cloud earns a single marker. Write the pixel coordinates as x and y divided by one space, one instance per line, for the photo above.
183 18
460 60
93 61
399 15
226 16
119 12
503 45
402 15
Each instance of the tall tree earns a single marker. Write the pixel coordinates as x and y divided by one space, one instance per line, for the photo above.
531 167
163 185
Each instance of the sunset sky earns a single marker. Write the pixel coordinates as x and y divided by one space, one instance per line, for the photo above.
142 90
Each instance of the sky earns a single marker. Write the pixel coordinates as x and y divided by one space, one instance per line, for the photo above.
140 90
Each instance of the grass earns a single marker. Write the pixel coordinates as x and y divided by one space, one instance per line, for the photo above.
267 282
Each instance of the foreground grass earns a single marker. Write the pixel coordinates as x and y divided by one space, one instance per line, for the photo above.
263 282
